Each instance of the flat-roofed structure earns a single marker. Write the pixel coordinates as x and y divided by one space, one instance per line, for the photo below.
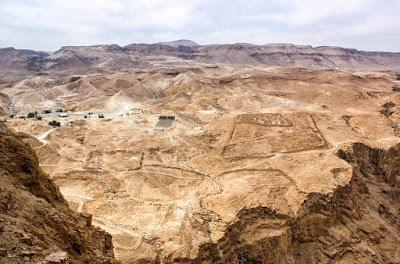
63 115
164 122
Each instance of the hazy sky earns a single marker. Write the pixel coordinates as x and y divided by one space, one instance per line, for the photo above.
50 24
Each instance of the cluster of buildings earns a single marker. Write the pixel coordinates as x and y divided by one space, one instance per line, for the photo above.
164 121
38 116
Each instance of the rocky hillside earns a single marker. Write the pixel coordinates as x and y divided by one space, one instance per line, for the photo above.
358 223
135 56
36 224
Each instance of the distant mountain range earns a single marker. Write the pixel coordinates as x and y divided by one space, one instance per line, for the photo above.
181 42
80 59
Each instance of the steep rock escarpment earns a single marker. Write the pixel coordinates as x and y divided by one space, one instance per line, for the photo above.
357 223
35 220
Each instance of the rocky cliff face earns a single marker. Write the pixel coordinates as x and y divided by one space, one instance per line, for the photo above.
36 224
358 223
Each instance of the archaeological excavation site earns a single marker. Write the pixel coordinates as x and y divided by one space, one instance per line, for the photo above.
207 154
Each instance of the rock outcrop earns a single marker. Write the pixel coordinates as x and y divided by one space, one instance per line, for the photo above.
358 223
36 224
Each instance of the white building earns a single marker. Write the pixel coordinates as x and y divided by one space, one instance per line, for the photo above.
63 115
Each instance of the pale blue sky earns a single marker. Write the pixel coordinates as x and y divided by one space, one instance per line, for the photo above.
50 24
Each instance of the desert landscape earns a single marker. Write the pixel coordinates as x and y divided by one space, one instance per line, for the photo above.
188 153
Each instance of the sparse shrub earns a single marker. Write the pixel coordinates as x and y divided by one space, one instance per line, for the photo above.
389 105
39 118
54 123
59 110
387 109
30 115
46 111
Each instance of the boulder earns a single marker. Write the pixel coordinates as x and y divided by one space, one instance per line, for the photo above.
57 257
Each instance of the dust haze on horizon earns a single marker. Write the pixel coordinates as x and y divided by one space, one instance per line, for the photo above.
48 25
